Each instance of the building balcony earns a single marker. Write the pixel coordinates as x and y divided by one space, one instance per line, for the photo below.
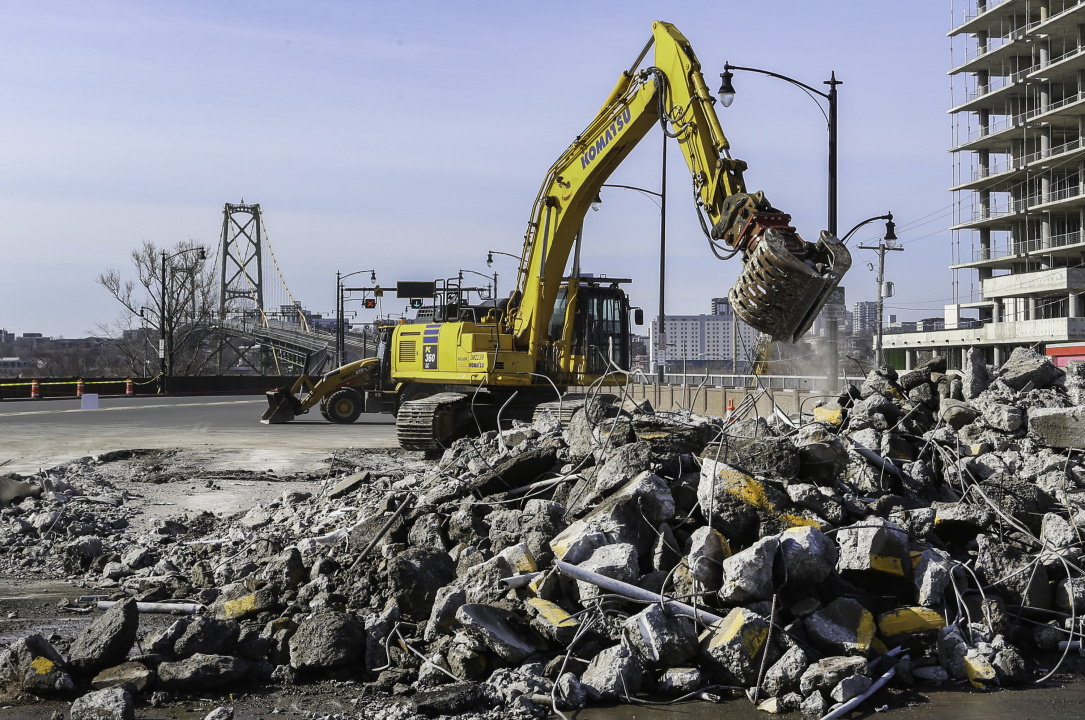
995 17
1048 330
1066 245
1030 284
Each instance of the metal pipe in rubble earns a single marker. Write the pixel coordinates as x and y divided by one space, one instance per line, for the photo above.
635 593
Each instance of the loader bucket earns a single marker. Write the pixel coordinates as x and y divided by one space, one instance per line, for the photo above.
781 294
280 407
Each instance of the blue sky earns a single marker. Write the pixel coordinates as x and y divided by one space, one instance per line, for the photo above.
411 137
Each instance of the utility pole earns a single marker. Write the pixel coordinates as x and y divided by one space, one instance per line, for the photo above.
162 349
885 244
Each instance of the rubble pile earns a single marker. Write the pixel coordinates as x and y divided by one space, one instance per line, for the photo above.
919 529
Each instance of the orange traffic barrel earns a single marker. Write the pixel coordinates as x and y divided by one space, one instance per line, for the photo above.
130 388
35 390
79 388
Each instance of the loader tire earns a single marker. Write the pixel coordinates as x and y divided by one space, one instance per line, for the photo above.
344 406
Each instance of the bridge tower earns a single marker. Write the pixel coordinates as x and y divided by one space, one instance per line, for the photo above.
241 283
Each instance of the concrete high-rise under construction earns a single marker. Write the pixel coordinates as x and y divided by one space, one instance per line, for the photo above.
1018 82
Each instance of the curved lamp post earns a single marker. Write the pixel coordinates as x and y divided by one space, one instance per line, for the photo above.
727 96
885 244
661 330
340 302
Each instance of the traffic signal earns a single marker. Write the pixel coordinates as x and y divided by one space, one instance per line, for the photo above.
369 303
378 292
416 303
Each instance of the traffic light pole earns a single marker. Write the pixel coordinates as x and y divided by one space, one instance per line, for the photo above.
342 335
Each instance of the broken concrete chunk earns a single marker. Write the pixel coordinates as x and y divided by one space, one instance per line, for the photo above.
708 548
1012 574
843 626
614 561
1070 594
482 582
208 636
976 376
1026 366
956 413
201 671
661 639
612 674
447 601
451 699
326 639
133 676
107 640
502 631
809 556
738 643
1006 418
110 704
826 673
850 687
415 576
679 681
624 517
909 621
349 484
748 575
762 455
815 705
36 666
784 675
932 577
1058 427
552 621
876 545
722 486
979 670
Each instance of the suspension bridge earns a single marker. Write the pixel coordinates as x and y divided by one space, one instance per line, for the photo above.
263 327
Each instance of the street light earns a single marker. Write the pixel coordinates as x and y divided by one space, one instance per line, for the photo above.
727 96
165 347
340 332
490 256
662 195
885 244
481 275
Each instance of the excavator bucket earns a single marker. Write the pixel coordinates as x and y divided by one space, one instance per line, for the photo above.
281 407
780 292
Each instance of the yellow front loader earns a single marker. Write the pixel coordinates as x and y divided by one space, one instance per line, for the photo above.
340 394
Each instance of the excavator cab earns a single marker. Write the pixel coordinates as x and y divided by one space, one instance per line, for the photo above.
590 329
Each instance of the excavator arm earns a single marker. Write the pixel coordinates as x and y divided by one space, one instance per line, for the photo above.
785 282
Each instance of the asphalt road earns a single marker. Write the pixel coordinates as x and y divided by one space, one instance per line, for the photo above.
38 434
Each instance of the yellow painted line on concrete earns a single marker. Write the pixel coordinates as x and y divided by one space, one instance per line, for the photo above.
125 407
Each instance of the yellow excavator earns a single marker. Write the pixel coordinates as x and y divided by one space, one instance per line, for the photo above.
475 366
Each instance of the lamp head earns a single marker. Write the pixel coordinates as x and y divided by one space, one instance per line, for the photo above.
596 202
727 90
490 259
373 276
202 255
890 232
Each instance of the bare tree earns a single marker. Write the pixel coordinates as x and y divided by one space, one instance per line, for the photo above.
168 310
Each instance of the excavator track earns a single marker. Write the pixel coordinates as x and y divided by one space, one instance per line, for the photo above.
427 423
568 406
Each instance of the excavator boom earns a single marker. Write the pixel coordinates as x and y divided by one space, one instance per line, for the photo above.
786 281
